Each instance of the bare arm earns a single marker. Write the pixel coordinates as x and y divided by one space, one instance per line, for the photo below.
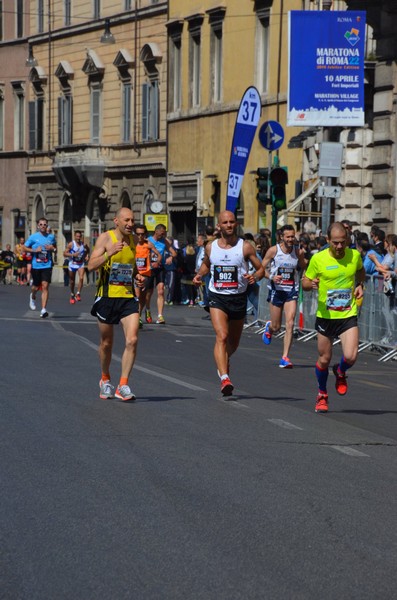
205 266
104 249
269 256
309 284
250 254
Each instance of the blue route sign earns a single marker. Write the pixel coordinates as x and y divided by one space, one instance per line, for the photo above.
247 121
271 135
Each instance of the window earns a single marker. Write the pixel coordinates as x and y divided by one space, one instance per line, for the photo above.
68 12
177 75
19 116
36 124
262 47
195 60
126 112
1 20
95 100
97 9
20 15
216 17
1 119
65 120
127 4
175 60
40 16
150 110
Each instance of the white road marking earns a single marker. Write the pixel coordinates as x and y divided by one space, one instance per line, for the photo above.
284 424
150 372
349 451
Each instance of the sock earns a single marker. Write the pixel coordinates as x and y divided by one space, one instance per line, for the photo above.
105 377
343 366
123 381
226 376
322 376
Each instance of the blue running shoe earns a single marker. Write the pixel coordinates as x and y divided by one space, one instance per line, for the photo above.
267 336
285 363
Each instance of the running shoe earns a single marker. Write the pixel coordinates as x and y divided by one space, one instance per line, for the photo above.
226 387
160 320
32 302
78 297
123 392
267 336
148 316
321 403
72 299
43 313
285 363
106 390
340 381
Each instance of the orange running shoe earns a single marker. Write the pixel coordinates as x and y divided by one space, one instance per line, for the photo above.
226 387
321 403
340 381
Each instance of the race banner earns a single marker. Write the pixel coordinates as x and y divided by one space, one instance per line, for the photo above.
326 68
244 132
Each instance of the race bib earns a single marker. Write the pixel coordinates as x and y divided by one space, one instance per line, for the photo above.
154 263
120 274
287 276
225 278
141 263
42 256
339 300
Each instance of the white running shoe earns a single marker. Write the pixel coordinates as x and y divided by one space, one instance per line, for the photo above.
43 313
106 390
124 392
32 303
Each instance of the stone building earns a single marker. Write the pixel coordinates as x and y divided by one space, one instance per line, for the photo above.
14 98
216 51
97 126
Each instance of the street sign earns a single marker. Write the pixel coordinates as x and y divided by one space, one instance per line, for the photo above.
328 191
271 135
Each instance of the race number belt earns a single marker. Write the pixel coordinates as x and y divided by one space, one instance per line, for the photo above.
225 278
121 274
339 300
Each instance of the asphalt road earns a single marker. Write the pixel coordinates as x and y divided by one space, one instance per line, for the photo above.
183 495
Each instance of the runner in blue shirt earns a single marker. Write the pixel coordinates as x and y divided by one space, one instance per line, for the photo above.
41 245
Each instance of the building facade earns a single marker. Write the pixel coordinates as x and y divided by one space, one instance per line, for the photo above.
97 113
216 51
14 97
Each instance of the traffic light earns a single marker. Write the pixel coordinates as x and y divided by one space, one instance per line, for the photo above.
279 179
262 185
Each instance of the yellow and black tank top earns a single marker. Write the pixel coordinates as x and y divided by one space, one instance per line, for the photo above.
116 275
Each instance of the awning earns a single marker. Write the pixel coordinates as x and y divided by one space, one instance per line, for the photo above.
282 218
180 207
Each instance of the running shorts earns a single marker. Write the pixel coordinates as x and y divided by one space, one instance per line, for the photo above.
333 328
40 275
234 305
280 297
112 310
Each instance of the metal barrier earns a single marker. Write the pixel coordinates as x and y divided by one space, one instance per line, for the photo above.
377 318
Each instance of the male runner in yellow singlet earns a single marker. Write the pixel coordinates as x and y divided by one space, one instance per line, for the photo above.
338 274
115 302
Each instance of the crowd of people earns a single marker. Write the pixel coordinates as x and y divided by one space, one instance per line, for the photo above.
220 271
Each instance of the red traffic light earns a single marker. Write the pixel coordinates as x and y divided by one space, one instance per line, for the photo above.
279 176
